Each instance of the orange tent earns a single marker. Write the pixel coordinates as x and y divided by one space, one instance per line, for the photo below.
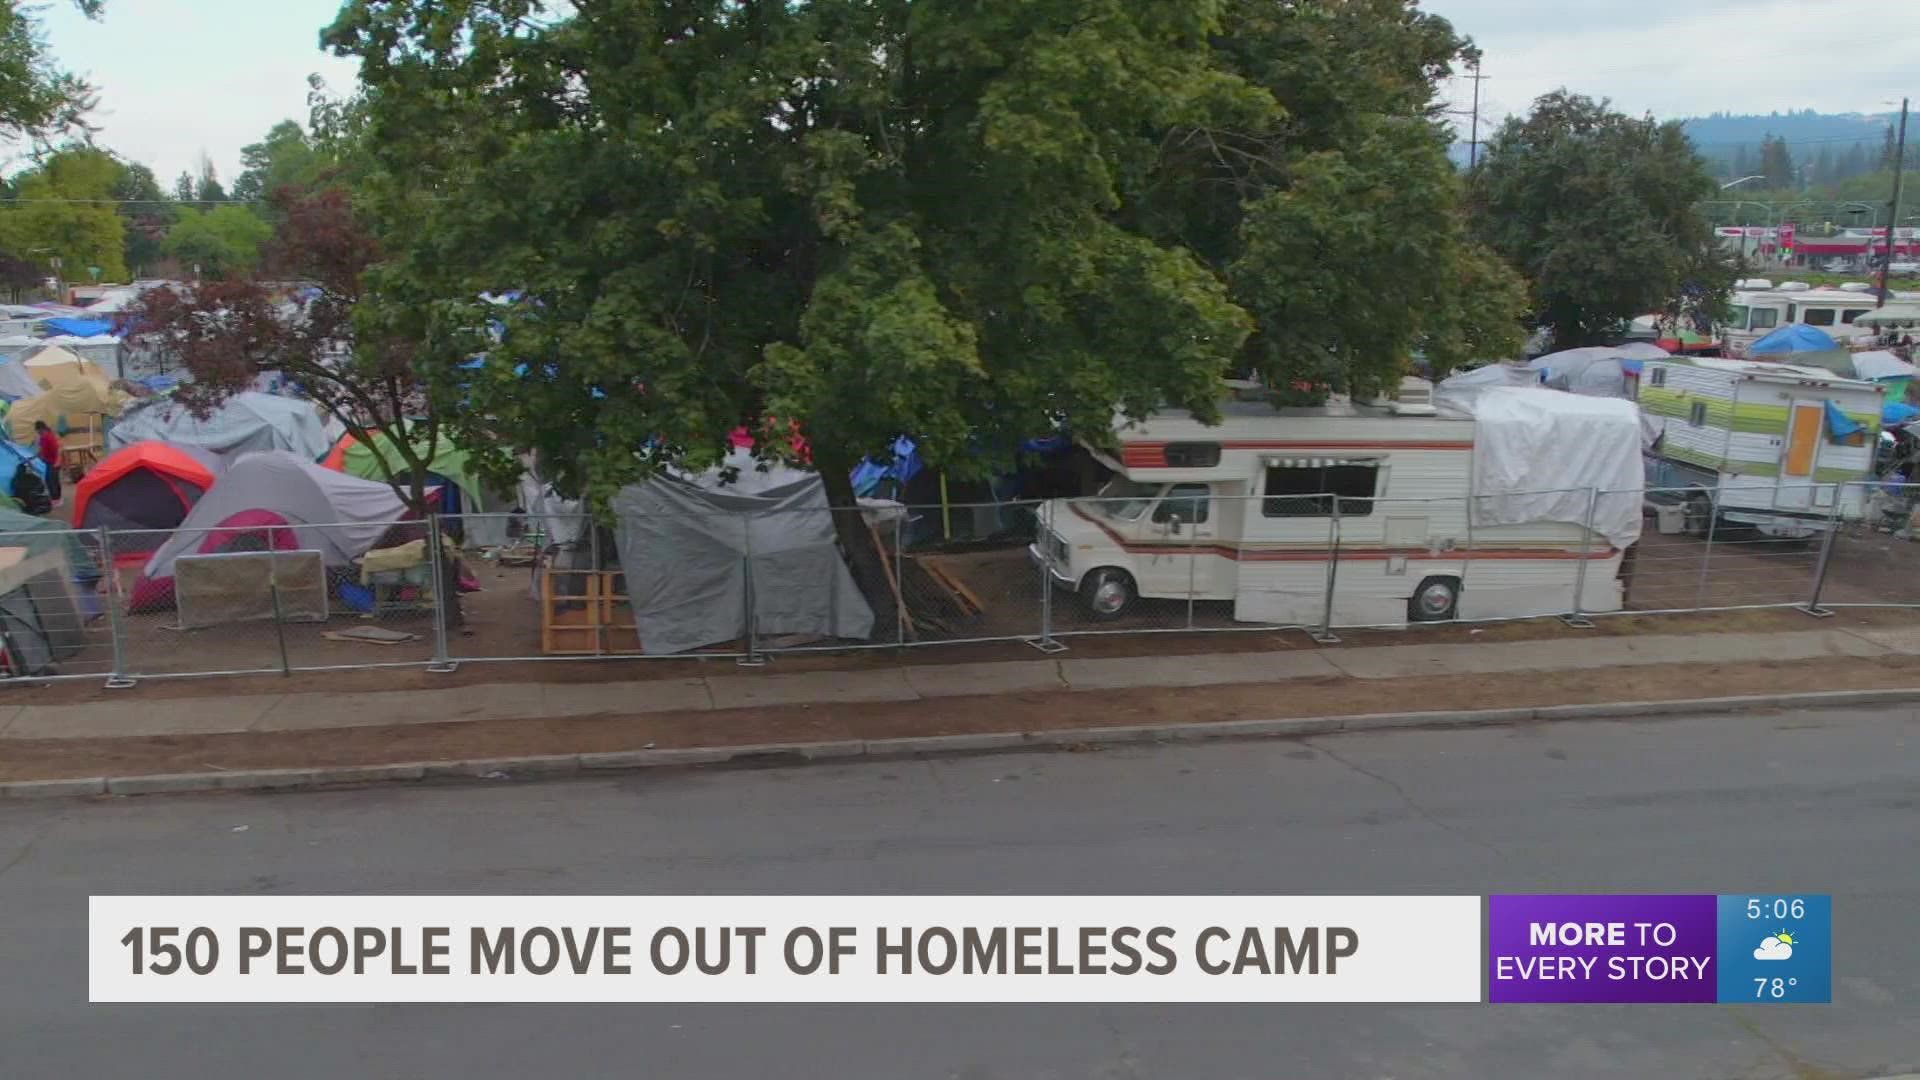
149 485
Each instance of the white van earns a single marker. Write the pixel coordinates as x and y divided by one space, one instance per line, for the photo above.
1245 511
1752 315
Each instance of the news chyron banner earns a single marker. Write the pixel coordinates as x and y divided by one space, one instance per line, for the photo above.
1749 948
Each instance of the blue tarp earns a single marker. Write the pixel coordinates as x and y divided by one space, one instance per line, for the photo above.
79 327
1896 413
10 463
1839 424
869 474
1793 338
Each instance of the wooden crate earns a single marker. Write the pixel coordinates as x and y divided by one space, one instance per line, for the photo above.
598 623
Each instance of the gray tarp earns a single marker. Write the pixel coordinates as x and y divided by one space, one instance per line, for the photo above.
691 550
244 423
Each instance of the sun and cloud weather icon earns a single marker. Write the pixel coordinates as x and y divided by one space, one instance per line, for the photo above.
1776 947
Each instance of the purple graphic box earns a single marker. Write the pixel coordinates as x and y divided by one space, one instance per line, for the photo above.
1601 948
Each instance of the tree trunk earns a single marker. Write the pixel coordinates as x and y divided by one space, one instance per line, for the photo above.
856 543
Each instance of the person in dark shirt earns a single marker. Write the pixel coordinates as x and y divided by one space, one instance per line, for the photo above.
50 453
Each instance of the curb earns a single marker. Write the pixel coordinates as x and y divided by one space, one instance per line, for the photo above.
782 754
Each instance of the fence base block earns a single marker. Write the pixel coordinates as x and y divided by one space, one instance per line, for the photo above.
1046 644
119 682
1816 612
1324 637
751 661
1578 622
444 667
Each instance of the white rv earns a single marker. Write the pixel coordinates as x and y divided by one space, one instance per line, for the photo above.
1761 436
1246 511
1753 314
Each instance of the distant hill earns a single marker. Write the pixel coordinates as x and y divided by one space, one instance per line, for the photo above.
1843 144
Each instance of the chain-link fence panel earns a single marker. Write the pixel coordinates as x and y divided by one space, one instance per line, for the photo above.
964 572
1874 557
1731 547
202 601
53 605
378 592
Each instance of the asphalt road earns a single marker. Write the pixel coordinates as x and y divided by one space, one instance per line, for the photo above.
1775 802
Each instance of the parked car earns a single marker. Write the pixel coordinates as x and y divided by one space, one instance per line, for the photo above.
1904 268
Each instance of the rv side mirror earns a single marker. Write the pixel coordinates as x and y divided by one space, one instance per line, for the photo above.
1173 525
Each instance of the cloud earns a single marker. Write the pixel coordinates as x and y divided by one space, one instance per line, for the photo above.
1773 949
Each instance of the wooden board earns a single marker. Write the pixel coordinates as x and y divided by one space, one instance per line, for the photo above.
598 623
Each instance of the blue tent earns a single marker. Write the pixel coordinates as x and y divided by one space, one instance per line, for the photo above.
1895 413
1793 338
12 455
79 327
904 466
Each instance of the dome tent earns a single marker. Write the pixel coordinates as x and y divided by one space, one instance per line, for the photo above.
448 466
148 486
284 501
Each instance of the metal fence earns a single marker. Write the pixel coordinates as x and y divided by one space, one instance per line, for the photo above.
273 597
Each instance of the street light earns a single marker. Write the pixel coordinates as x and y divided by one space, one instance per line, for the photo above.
1742 180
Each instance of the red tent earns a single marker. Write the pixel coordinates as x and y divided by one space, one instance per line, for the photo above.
150 486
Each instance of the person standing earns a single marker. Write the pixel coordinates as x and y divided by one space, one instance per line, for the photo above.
50 453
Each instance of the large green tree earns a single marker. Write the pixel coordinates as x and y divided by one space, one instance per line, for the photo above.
39 101
970 221
217 243
147 214
65 210
1600 212
285 157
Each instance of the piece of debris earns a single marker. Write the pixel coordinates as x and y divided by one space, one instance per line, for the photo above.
371 635
241 828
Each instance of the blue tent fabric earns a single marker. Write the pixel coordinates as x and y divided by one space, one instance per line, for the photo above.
79 327
1897 412
10 463
1793 338
1839 424
906 465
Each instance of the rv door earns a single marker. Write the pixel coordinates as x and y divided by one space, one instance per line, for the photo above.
1184 522
1801 455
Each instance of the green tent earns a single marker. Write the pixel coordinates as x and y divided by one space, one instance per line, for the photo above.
38 534
447 461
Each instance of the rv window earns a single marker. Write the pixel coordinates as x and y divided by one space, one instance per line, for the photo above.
1186 503
1658 378
1192 455
1819 316
1765 318
1851 314
1302 492
1698 417
1737 317
1124 500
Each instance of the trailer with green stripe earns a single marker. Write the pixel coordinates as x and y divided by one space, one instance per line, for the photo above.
1777 446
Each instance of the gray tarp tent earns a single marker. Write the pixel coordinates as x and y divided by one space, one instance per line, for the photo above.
692 549
244 423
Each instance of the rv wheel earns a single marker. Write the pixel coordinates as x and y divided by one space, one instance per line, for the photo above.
1107 594
1435 600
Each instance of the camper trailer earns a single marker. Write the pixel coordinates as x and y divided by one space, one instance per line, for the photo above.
1249 510
1753 314
1777 442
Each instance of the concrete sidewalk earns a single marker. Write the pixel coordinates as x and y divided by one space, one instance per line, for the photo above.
133 717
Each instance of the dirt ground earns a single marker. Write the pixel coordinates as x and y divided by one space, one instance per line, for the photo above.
1040 711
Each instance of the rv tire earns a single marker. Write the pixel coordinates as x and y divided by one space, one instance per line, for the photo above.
1107 594
1436 600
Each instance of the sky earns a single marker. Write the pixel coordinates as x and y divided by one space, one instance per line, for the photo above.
181 77
1677 58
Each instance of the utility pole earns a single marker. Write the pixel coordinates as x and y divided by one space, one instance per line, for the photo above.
1893 206
1473 140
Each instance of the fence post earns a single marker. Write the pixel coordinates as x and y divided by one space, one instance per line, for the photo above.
1193 560
441 662
279 622
597 605
901 614
1577 617
1043 544
752 657
1706 556
1812 606
118 679
1325 635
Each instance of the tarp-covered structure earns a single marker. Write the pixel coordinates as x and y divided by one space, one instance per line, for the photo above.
1539 453
16 383
244 423
43 618
76 400
694 549
273 500
1805 346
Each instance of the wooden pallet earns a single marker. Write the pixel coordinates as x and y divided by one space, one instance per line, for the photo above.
943 574
597 623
